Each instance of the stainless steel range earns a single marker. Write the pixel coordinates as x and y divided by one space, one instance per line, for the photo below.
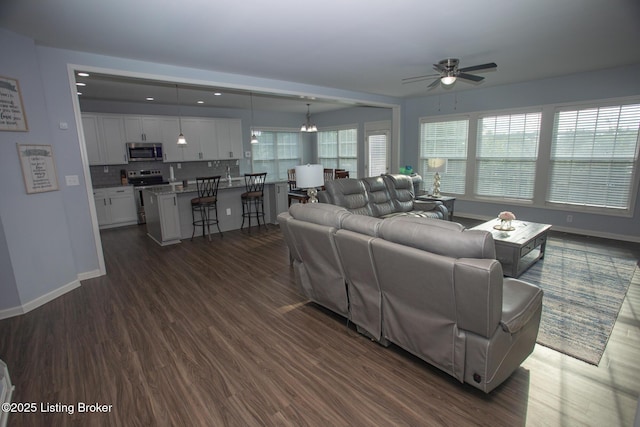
143 179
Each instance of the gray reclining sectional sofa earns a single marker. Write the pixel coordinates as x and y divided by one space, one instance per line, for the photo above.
380 196
429 286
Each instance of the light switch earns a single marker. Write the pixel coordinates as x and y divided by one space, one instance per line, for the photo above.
72 180
64 126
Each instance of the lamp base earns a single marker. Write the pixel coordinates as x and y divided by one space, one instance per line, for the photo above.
312 193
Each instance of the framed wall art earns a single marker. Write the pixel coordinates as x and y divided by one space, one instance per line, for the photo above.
12 117
38 168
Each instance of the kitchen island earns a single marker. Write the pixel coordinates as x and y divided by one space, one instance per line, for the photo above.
168 208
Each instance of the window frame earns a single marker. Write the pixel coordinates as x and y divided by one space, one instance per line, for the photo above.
543 161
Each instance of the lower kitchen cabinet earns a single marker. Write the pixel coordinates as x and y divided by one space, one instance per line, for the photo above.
115 207
163 219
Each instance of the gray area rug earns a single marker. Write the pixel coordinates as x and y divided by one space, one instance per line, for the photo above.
583 293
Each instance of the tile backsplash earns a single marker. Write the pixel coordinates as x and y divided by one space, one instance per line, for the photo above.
110 175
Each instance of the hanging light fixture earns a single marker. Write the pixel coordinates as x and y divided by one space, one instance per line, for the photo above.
181 139
254 138
308 126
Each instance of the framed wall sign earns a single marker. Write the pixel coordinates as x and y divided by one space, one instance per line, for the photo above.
38 168
12 115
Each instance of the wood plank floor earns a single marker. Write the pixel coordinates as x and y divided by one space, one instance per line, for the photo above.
216 333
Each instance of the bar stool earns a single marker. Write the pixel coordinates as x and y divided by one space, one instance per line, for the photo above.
253 197
206 202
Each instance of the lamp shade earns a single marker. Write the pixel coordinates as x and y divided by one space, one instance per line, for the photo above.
309 176
437 165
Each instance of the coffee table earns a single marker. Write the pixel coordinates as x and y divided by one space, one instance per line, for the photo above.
519 249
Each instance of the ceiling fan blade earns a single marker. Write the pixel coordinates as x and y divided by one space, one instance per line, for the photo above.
440 68
433 84
470 77
418 78
487 66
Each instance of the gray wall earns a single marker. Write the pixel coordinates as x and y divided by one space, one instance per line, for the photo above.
49 239
604 84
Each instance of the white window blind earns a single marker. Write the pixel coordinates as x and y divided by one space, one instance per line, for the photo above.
377 154
339 149
276 152
594 154
507 149
445 140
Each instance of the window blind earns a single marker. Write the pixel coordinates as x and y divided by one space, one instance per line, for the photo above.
276 152
445 140
507 149
339 149
377 161
594 154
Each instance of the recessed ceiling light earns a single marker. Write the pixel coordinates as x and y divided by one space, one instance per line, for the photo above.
217 93
80 84
200 102
82 74
149 98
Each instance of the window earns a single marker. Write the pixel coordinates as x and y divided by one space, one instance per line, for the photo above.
339 149
507 150
276 152
445 140
594 153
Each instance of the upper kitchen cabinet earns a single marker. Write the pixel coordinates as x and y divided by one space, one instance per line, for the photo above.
229 138
104 137
142 129
170 129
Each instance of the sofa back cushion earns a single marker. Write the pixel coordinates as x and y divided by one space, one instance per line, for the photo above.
350 194
379 198
439 237
319 213
400 188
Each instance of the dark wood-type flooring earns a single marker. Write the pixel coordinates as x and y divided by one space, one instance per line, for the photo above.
216 333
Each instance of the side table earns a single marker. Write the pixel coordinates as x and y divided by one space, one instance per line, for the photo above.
447 201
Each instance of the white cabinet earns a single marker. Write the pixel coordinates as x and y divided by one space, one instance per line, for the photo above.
115 206
201 140
142 129
281 199
229 138
104 137
169 217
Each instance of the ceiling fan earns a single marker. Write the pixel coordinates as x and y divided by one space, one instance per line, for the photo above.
448 72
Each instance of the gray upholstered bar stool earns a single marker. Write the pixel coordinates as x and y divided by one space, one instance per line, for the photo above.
205 204
253 198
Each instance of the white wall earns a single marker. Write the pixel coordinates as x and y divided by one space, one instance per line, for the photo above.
604 84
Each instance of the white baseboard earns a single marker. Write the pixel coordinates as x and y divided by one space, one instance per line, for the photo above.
90 274
592 233
39 301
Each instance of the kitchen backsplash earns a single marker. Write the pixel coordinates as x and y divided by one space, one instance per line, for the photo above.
110 175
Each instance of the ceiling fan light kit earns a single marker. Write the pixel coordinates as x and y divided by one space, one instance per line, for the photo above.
448 73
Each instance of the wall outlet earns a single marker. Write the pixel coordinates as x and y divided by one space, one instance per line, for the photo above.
179 165
569 218
209 164
106 169
228 211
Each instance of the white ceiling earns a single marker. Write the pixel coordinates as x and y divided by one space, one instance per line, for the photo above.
358 45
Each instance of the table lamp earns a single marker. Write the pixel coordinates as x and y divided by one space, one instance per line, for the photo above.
310 177
436 166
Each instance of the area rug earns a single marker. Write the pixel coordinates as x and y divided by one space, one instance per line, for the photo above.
583 293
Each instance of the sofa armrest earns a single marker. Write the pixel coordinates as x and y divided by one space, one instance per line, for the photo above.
426 206
520 301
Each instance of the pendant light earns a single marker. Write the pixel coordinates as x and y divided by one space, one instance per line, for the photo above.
308 126
254 138
181 139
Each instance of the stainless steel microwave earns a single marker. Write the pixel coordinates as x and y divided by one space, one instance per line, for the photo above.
144 151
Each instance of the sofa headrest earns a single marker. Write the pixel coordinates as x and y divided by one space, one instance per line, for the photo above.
350 193
439 237
362 224
319 213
